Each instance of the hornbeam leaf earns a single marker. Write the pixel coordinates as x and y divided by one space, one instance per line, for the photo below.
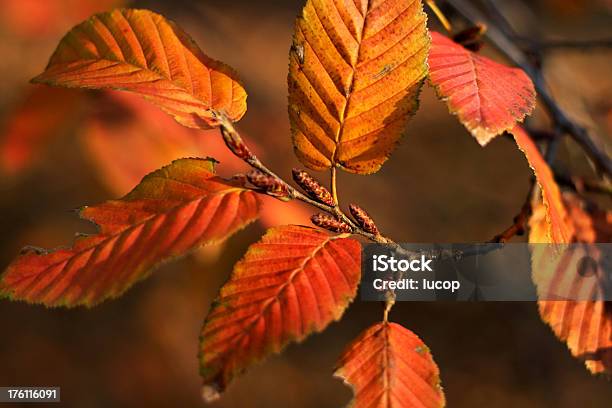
389 366
488 98
172 211
142 52
293 282
585 326
355 71
557 229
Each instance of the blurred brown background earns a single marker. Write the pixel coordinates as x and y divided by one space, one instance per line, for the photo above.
440 186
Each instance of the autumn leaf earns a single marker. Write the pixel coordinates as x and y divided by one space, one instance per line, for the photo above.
142 52
489 98
389 366
586 326
295 281
355 71
43 115
172 211
557 229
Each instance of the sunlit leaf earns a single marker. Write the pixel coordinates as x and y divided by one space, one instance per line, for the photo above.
389 366
293 282
172 211
585 326
142 52
488 98
557 229
356 68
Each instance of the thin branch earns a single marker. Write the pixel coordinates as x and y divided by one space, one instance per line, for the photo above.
519 223
499 18
581 185
518 57
235 143
578 45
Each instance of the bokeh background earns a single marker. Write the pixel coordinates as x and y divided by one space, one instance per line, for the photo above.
61 149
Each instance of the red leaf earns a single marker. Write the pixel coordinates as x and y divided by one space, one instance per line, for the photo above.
172 211
489 98
586 326
389 366
293 282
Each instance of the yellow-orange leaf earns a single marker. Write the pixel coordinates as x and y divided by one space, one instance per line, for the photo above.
293 282
389 366
142 52
355 71
172 211
586 326
488 98
557 229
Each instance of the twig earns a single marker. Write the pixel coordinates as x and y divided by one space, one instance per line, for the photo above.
517 56
581 185
519 222
578 45
236 144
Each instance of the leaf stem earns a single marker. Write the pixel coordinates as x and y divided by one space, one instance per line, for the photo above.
441 17
334 185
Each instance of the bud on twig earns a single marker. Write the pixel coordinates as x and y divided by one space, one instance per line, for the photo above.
330 223
271 185
363 219
312 187
235 144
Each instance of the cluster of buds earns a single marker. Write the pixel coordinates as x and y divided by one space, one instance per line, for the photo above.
330 223
312 187
269 184
363 219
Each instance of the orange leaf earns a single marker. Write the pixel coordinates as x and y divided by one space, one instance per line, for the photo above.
389 366
557 230
43 115
293 282
489 98
142 52
355 71
586 326
172 211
